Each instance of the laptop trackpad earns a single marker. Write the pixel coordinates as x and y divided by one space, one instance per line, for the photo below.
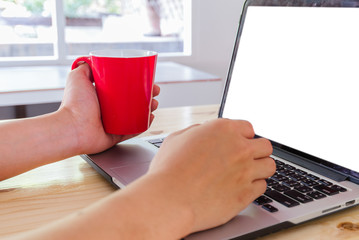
129 173
248 221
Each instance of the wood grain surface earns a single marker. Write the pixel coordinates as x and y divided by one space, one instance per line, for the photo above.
45 194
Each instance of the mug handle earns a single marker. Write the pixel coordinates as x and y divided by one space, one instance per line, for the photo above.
80 60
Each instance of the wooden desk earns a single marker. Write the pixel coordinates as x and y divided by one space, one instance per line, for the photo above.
33 199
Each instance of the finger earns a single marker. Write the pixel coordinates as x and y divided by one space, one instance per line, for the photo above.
238 127
258 187
262 147
156 90
154 105
83 68
264 168
245 128
152 117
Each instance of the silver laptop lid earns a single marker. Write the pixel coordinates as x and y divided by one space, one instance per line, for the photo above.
295 76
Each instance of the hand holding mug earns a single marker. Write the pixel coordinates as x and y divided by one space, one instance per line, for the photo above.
124 82
80 103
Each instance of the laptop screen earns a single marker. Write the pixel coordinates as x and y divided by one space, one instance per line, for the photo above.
295 77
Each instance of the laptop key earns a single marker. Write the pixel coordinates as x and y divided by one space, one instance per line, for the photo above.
280 168
338 188
309 182
282 199
326 190
270 208
301 172
316 195
279 177
291 183
156 142
297 177
313 177
279 163
291 173
281 188
286 172
289 167
262 200
300 197
303 189
153 141
325 182
271 182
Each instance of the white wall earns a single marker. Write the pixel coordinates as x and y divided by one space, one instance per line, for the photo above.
214 28
215 25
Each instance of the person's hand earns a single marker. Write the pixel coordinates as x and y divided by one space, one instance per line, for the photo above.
80 103
216 169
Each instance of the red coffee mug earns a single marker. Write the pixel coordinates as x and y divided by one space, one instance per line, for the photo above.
124 82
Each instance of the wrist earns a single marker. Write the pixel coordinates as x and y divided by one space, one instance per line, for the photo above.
68 131
165 213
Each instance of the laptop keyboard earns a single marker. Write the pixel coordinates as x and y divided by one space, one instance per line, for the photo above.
289 186
156 142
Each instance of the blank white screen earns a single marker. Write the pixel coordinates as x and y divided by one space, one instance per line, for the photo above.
296 79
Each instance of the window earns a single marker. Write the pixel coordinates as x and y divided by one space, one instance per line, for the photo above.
26 29
55 31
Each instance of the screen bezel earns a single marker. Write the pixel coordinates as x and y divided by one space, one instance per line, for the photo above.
351 175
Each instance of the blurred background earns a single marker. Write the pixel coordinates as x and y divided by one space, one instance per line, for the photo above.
34 27
39 39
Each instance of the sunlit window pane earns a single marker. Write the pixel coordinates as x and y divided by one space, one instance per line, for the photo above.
26 28
145 24
30 28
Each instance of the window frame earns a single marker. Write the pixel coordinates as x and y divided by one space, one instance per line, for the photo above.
60 57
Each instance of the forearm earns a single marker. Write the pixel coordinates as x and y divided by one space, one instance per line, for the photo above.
29 143
144 210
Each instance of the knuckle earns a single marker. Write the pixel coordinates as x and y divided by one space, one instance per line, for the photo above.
269 145
247 148
222 122
221 126
238 127
259 187
250 145
248 127
248 124
269 167
262 186
272 166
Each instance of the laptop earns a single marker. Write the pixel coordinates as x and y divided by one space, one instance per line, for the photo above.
294 75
